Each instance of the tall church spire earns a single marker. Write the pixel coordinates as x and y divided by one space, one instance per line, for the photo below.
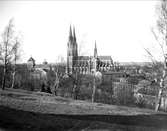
70 33
74 36
95 51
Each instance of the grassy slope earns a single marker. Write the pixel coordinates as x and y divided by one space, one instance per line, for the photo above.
25 110
46 103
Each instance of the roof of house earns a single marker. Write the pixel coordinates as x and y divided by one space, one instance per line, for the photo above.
31 59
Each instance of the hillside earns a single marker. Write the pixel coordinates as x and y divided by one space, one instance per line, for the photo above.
25 110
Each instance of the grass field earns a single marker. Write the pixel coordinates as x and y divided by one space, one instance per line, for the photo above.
25 110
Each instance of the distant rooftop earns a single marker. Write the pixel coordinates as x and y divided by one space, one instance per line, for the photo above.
100 57
105 57
31 59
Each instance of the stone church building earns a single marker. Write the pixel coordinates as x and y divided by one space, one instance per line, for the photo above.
85 64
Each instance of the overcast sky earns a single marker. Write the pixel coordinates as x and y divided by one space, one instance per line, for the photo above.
121 28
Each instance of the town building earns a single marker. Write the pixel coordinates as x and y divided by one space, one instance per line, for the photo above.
31 63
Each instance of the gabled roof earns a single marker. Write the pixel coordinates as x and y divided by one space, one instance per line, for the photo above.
83 57
105 57
86 58
31 59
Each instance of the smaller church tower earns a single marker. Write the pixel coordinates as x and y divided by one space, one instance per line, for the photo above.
95 58
95 51
72 52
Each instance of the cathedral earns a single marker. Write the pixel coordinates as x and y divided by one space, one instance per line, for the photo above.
85 64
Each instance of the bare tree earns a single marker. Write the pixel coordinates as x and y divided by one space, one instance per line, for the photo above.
162 41
16 57
59 72
160 35
7 49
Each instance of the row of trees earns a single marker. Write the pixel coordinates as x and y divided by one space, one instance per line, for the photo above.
9 51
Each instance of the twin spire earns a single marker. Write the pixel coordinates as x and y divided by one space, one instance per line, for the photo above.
72 37
72 34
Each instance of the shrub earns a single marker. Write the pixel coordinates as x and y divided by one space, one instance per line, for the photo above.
123 93
146 101
140 101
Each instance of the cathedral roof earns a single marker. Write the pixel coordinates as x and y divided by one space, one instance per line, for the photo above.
99 57
105 57
83 57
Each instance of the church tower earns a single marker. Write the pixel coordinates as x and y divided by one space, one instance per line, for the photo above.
72 51
95 51
95 57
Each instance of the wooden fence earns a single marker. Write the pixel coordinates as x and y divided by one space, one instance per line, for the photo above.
123 92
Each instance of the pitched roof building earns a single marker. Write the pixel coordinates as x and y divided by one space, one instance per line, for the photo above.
31 63
85 64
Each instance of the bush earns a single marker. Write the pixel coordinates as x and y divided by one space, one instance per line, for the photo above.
149 91
140 101
146 101
85 92
123 94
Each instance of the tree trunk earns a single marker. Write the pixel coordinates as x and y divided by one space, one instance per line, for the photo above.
56 84
14 73
159 100
75 86
13 79
161 89
4 78
74 92
94 89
